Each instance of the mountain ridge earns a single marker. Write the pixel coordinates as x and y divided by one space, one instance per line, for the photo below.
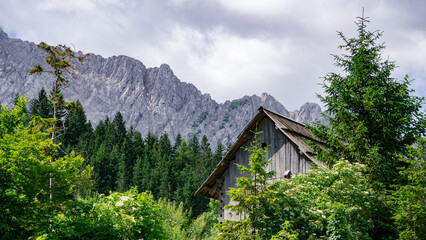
150 99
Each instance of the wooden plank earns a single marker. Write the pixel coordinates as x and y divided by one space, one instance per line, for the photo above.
287 155
294 159
281 156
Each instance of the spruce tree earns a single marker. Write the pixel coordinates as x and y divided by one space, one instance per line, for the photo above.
218 154
138 144
142 174
120 127
75 126
372 116
163 168
41 106
178 140
206 158
105 168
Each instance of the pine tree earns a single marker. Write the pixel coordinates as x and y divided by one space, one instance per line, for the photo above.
129 161
99 134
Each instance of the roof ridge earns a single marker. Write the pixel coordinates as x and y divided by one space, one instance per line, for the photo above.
288 118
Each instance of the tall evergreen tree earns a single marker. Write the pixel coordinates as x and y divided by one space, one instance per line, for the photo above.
371 115
75 126
138 144
99 133
142 174
105 169
119 127
194 144
218 154
129 161
206 158
41 106
110 136
122 179
163 166
178 141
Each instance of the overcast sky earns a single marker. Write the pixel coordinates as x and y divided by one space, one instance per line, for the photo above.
228 48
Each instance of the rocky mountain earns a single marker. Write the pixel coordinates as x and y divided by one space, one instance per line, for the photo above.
151 99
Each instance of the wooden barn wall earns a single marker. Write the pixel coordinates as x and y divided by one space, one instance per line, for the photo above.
282 153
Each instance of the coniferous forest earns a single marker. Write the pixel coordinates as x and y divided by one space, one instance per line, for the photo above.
122 158
121 161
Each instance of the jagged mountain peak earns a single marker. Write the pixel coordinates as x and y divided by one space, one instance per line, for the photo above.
308 112
151 99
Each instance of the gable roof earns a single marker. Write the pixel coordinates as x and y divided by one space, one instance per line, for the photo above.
294 130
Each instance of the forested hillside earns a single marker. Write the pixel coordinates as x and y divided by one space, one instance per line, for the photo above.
123 158
116 160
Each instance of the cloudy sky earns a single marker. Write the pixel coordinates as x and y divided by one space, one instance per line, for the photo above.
228 48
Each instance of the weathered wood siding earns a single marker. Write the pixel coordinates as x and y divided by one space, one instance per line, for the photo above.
282 153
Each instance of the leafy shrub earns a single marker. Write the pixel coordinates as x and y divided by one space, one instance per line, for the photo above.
129 215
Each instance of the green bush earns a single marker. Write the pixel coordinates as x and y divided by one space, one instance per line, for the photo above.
129 215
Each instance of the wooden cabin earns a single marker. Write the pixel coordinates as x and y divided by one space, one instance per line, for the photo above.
288 153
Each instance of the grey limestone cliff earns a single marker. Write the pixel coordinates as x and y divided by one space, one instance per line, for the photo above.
151 99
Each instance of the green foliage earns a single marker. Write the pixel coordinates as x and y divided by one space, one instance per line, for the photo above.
25 169
105 169
122 159
408 201
371 119
59 60
76 128
41 106
371 116
129 215
44 177
176 219
204 226
178 226
336 203
253 193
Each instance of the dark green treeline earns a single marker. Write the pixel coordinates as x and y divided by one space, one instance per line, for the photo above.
123 158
